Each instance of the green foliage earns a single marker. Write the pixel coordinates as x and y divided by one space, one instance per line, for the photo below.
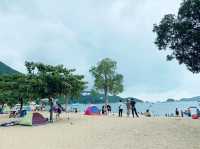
54 81
181 34
106 78
14 87
95 97
42 81
98 98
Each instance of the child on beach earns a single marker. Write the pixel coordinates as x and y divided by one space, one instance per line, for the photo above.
147 113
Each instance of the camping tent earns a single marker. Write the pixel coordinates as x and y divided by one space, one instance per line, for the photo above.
34 118
92 110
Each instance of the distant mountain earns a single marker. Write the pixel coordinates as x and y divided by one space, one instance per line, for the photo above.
197 98
5 69
87 97
170 100
136 99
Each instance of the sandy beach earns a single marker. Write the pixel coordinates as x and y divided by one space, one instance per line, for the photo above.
100 132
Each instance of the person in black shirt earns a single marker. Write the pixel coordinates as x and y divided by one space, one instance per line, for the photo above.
120 108
177 112
109 109
133 108
103 110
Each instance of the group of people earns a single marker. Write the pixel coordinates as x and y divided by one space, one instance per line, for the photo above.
186 112
130 106
182 114
106 109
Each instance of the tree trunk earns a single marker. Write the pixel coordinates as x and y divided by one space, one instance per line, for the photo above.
106 93
51 110
106 99
2 106
65 97
66 104
21 104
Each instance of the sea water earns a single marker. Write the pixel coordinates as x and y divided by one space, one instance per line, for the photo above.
157 109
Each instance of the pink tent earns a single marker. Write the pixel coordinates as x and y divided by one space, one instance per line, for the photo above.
92 110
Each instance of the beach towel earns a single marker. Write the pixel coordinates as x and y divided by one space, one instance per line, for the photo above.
7 124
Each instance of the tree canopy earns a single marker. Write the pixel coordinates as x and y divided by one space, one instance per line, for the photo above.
54 81
181 34
107 80
14 89
41 81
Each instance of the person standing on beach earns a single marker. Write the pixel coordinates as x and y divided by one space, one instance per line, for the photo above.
128 106
177 112
120 108
189 112
133 108
182 114
103 110
109 109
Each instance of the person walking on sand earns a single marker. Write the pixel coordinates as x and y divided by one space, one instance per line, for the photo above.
133 108
128 106
120 108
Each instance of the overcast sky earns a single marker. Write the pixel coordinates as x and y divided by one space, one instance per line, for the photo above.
79 33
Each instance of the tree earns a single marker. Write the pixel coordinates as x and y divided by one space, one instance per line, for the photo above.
42 81
107 80
14 89
4 98
181 34
54 81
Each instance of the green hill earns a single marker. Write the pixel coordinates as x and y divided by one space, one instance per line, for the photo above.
170 100
87 97
191 99
5 69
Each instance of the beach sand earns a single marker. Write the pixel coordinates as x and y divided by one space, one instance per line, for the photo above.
101 132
